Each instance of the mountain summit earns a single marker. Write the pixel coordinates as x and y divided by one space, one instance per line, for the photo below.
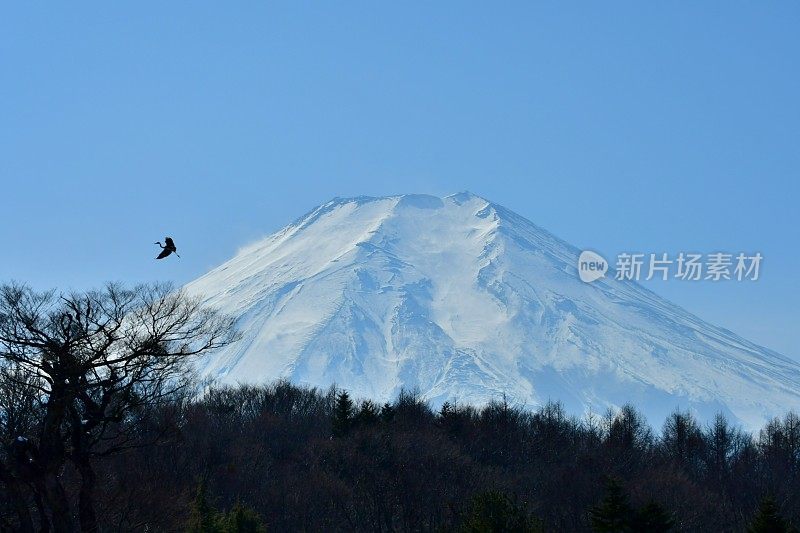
464 300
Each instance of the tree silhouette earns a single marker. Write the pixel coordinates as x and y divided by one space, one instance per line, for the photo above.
614 514
494 512
206 519
653 518
97 363
768 519
242 519
343 413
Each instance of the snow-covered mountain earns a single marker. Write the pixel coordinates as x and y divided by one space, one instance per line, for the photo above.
463 299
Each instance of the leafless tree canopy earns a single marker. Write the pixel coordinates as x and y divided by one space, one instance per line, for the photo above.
105 334
75 369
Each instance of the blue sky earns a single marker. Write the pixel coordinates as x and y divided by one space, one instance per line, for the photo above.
618 126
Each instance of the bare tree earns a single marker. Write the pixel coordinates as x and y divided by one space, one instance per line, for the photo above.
19 410
94 362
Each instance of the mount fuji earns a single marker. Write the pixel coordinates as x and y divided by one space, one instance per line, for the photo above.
462 299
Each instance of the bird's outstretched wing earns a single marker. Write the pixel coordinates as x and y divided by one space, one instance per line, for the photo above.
164 253
168 242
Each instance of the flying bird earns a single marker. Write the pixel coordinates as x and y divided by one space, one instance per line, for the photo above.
168 248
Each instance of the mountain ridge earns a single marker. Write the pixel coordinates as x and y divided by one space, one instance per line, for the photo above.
467 300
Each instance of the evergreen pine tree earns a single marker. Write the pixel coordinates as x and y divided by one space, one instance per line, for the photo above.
653 518
614 514
368 414
342 414
387 412
204 518
769 520
446 410
242 519
494 512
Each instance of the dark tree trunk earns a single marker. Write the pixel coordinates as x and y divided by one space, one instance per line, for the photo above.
17 500
86 512
44 521
81 458
52 458
56 501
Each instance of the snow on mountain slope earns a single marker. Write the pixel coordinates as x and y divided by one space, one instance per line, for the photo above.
463 299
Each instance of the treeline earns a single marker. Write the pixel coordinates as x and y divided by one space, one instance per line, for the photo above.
301 459
103 429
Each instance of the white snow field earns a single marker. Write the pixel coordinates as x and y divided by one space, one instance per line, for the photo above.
462 299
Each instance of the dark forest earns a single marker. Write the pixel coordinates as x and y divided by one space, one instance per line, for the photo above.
103 428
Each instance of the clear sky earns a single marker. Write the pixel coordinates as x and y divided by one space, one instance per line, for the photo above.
618 126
